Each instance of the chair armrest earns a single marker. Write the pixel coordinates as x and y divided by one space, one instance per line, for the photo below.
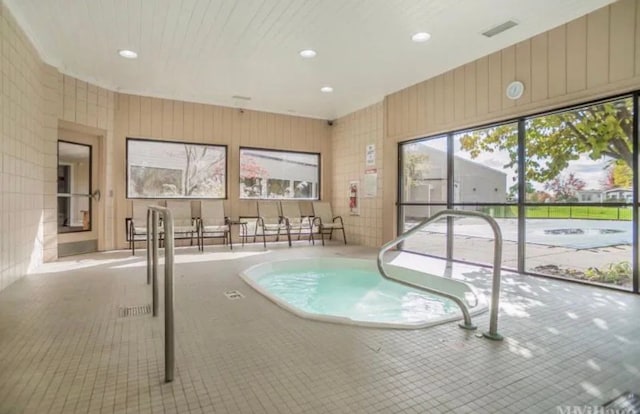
338 217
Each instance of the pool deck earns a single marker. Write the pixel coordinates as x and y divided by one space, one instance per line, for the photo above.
63 348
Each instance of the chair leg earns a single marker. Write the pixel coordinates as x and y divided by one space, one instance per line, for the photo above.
322 235
344 236
264 237
289 236
230 241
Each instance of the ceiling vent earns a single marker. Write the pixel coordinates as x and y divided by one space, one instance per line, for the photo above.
500 28
241 98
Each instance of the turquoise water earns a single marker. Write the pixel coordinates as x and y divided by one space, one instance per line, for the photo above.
357 294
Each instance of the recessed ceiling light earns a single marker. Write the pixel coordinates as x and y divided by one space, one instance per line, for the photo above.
326 89
420 37
128 54
308 53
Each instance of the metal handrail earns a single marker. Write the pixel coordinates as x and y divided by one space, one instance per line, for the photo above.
153 237
497 262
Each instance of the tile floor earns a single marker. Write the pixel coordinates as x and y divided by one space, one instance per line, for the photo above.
64 349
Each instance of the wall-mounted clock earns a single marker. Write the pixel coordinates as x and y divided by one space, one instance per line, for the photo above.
515 90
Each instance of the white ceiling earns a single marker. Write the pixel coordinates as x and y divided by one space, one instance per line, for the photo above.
210 50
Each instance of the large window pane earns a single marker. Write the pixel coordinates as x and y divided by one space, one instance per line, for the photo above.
279 174
159 169
432 240
570 242
581 156
486 165
573 158
424 171
473 238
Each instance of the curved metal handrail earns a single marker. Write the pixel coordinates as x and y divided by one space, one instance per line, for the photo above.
497 262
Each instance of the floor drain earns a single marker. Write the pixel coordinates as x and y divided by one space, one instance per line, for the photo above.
628 403
129 311
233 294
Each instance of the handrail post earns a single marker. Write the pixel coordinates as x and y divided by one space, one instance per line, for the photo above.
154 258
495 291
153 235
148 246
169 337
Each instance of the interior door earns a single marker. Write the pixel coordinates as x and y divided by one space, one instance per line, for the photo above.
78 193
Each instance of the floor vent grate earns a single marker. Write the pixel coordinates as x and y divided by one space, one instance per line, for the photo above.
627 403
129 311
233 294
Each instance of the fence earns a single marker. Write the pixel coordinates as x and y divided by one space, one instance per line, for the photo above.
563 212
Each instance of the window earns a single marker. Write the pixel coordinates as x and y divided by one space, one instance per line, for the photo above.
580 163
560 185
486 165
160 169
279 174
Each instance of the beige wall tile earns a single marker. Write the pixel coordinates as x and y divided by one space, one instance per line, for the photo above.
350 136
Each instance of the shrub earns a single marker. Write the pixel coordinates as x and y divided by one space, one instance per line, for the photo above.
616 273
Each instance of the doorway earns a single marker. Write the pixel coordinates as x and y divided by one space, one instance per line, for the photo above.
78 194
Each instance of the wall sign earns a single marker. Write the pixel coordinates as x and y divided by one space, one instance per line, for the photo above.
370 183
370 155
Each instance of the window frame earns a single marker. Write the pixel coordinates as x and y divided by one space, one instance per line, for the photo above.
275 150
162 141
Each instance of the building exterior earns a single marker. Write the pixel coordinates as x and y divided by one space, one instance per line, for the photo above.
473 183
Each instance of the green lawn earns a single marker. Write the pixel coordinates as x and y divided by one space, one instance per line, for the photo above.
565 212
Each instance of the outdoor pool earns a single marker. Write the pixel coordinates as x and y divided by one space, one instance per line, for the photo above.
570 233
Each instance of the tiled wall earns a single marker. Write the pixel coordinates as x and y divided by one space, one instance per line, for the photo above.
165 119
22 153
349 139
90 109
34 98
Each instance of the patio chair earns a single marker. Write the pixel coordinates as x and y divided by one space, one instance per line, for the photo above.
270 222
213 222
183 221
293 218
138 222
326 221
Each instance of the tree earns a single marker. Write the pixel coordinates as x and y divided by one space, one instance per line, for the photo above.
251 176
565 188
553 140
204 170
529 190
414 162
619 175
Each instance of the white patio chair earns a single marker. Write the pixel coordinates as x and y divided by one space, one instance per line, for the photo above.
270 222
325 220
213 222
